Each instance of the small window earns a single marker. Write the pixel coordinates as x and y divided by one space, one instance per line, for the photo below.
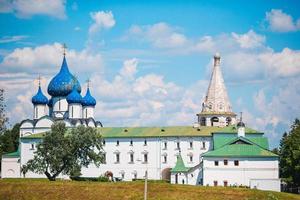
191 158
191 145
178 145
203 145
225 162
145 143
165 145
131 143
135 175
123 175
216 163
117 158
118 142
236 163
145 158
225 183
215 183
131 158
165 159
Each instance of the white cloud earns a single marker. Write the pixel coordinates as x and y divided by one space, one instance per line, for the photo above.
15 38
279 21
129 68
101 20
47 59
28 8
161 35
144 100
249 40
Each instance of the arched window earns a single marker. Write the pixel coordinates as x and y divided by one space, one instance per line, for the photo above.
202 121
214 121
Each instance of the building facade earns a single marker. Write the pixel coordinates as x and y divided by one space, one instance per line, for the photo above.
181 154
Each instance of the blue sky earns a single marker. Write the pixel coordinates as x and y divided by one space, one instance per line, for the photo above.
150 62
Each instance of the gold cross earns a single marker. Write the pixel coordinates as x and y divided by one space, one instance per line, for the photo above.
64 46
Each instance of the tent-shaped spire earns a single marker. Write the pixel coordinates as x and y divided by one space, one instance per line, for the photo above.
216 100
179 167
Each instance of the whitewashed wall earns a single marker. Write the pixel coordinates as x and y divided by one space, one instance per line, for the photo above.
10 168
249 168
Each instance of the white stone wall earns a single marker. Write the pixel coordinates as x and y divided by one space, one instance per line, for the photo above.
265 184
88 112
125 169
249 168
10 168
75 111
39 111
60 107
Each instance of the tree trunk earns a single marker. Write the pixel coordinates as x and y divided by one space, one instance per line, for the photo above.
51 178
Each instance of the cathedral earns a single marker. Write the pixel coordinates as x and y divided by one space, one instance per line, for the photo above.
218 150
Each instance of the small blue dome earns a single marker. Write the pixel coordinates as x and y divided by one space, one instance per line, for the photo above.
63 83
88 100
39 98
74 97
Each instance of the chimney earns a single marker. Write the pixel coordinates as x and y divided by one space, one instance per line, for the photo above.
217 59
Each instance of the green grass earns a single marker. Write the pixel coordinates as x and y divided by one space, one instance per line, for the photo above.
43 189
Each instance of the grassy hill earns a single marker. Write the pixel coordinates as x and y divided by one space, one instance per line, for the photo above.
43 189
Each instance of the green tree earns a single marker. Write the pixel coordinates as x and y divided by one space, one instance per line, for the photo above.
9 140
289 154
3 117
64 151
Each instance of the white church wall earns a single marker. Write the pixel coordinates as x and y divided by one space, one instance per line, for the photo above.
265 184
39 111
88 112
248 168
154 148
60 106
10 168
75 111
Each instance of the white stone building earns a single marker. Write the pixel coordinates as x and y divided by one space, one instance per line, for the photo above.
181 154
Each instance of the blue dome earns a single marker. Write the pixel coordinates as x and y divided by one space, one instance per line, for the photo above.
63 83
88 100
39 98
74 97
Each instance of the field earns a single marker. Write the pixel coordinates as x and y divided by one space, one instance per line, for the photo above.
43 189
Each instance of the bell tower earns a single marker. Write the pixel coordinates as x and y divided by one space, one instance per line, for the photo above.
216 107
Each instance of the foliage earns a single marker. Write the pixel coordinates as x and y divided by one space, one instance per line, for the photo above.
95 179
3 117
65 151
289 153
9 140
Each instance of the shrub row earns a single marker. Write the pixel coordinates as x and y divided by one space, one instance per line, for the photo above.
94 179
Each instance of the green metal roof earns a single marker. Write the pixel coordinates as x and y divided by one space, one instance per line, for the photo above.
180 167
233 129
177 131
15 154
219 141
240 147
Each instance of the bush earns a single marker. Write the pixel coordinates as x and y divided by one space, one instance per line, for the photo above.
93 179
